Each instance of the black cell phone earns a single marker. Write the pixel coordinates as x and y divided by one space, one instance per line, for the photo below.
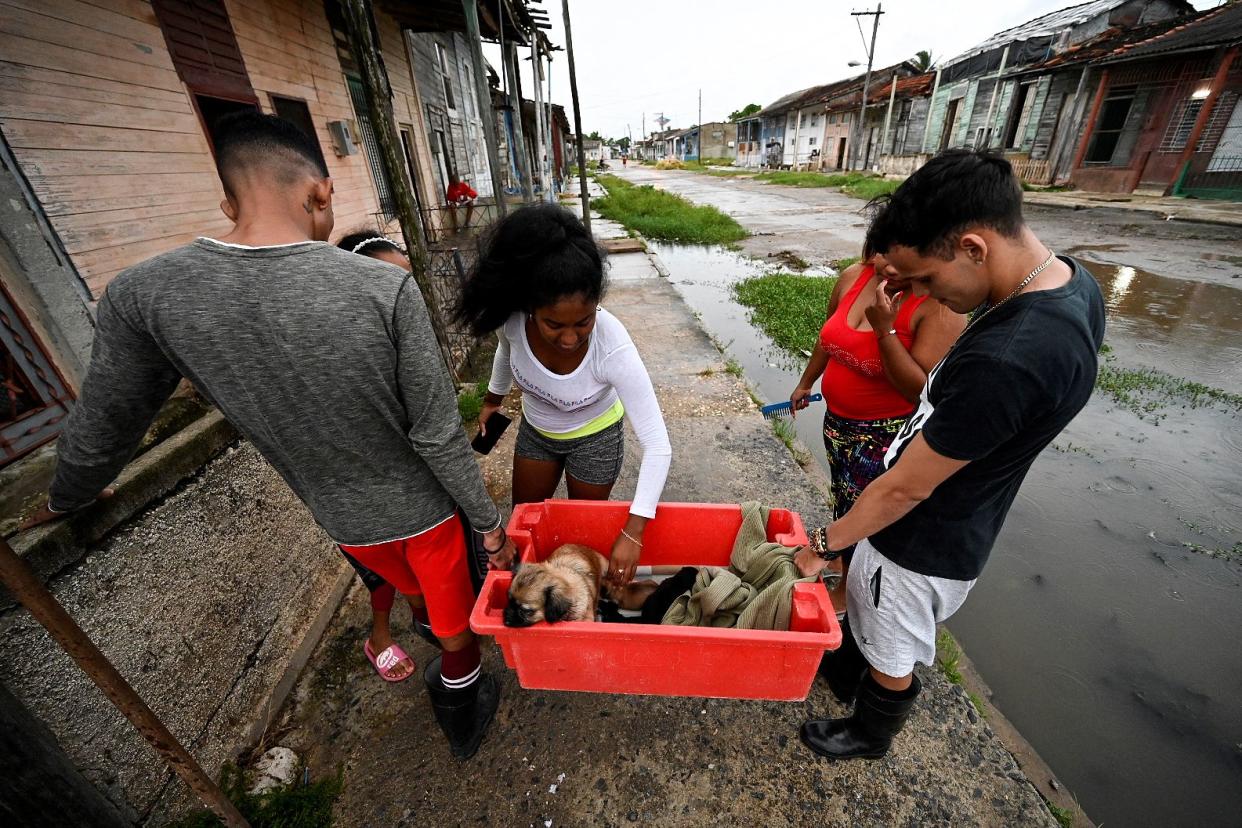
496 425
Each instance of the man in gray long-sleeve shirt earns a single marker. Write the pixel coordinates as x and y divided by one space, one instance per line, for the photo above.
327 362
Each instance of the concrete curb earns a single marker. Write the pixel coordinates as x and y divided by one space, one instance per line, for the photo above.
1041 200
270 710
1037 771
52 547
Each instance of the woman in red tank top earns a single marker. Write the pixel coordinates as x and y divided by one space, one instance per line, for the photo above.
874 352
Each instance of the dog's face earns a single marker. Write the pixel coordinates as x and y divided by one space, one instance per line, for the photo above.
562 588
538 593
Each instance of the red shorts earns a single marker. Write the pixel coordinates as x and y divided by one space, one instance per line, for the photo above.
432 563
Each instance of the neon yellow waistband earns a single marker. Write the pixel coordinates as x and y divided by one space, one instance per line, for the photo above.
613 415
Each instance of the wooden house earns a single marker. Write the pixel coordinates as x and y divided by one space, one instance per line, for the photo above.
107 111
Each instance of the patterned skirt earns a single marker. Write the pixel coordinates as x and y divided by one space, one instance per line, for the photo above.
855 455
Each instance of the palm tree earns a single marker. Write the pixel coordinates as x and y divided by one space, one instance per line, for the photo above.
923 60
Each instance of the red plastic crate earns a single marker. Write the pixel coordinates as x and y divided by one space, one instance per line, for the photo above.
653 659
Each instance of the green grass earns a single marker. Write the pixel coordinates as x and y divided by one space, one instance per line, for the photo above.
657 214
948 657
470 401
1064 816
789 308
840 265
856 184
729 173
733 368
784 430
291 807
1146 391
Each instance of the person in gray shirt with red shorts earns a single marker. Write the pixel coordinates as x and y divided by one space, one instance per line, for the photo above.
327 362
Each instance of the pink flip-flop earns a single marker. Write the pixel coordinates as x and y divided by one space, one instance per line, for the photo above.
387 660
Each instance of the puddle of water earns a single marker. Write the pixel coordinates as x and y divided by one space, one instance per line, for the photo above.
1189 329
1108 642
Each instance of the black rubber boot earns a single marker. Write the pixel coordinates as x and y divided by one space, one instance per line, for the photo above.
463 715
424 632
844 667
879 715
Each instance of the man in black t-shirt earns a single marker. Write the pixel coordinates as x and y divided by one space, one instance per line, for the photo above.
1022 369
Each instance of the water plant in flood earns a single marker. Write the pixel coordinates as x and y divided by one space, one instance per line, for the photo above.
657 214
859 185
1146 391
788 307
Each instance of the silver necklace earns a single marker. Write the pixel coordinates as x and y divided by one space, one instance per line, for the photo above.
1030 278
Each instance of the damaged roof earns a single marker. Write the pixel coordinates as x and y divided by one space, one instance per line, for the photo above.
1221 26
1105 44
831 91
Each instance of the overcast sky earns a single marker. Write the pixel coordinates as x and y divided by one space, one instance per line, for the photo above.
638 56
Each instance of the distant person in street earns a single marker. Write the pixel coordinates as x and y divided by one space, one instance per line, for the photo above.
538 283
873 353
1021 370
328 364
461 196
625 160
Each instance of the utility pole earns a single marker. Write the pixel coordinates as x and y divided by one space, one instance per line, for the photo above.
699 148
377 93
862 112
536 69
573 88
471 9
888 117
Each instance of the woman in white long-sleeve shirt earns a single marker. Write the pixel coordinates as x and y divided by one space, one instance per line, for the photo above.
538 284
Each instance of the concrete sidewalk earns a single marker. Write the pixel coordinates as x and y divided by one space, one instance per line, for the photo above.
1202 211
554 759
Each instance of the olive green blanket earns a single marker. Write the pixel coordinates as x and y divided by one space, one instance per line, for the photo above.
755 592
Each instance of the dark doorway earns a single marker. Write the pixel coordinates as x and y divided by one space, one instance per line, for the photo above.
840 153
950 121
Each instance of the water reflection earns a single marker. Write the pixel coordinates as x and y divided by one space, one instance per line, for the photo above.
1189 329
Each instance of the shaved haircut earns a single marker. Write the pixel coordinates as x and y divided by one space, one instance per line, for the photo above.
250 143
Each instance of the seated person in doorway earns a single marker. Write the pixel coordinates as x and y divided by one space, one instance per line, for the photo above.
1018 374
460 196
327 363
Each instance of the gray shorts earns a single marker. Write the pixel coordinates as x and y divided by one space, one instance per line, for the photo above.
594 459
894 611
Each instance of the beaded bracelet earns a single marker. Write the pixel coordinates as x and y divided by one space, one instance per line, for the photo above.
632 539
819 544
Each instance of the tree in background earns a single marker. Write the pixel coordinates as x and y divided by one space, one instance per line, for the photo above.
923 60
595 136
745 112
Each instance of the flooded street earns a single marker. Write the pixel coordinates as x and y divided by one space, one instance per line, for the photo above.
1106 619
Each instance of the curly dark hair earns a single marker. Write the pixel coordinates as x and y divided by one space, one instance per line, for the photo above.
533 258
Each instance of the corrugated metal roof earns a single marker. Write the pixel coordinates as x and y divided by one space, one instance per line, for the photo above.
1044 26
1105 44
913 87
829 91
1221 26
